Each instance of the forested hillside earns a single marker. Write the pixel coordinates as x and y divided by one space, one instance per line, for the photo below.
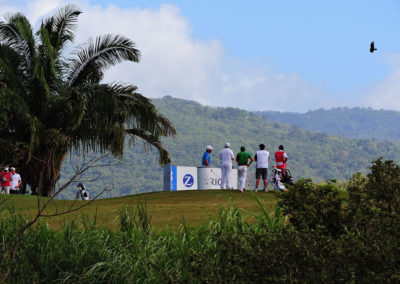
311 155
361 123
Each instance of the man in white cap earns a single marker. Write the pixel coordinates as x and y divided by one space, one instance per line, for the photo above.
206 160
15 182
5 181
226 156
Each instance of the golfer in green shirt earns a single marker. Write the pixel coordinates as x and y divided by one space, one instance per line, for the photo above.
242 159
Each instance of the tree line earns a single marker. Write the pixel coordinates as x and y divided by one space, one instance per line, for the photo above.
361 123
318 156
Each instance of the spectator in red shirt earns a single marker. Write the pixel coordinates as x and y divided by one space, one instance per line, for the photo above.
281 159
5 181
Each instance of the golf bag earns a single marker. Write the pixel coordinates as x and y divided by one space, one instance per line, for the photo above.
276 180
85 195
287 178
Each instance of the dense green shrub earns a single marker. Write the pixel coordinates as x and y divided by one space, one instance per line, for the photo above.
314 206
332 237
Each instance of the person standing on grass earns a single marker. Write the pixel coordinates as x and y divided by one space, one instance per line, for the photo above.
242 159
226 156
262 159
15 182
206 160
5 181
281 159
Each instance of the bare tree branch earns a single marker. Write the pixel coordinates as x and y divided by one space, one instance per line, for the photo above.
42 208
6 199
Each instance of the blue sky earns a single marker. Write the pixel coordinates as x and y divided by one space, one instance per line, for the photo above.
258 55
324 41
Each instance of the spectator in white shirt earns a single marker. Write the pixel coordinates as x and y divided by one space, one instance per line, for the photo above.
226 156
15 181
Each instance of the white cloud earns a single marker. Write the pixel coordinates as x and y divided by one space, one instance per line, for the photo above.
35 10
174 63
249 87
386 93
7 8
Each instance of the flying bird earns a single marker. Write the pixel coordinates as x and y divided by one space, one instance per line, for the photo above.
372 48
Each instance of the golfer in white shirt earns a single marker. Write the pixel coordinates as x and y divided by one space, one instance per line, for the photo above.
226 156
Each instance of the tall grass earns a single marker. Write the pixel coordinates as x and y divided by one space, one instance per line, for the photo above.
227 250
90 253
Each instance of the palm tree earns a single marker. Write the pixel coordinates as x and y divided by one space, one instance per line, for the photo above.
50 104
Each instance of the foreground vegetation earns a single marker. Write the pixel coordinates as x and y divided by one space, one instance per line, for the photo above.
315 235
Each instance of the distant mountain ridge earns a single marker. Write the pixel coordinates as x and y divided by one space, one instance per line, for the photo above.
363 123
313 155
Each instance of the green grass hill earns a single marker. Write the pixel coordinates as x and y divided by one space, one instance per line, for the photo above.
313 155
165 208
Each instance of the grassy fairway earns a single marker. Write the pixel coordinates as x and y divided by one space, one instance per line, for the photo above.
166 208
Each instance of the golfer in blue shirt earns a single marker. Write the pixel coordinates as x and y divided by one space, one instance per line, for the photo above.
206 161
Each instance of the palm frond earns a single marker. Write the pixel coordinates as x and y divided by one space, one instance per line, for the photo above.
95 121
78 109
47 63
18 104
62 26
139 112
17 34
98 55
146 116
164 157
9 72
102 113
40 77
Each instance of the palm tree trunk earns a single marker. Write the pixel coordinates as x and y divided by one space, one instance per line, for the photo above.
43 170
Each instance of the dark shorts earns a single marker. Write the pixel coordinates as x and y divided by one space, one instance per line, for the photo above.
261 172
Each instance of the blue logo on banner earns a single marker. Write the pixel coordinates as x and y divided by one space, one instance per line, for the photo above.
173 179
188 180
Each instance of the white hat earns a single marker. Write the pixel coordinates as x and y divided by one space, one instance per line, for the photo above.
6 168
209 147
227 145
12 168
